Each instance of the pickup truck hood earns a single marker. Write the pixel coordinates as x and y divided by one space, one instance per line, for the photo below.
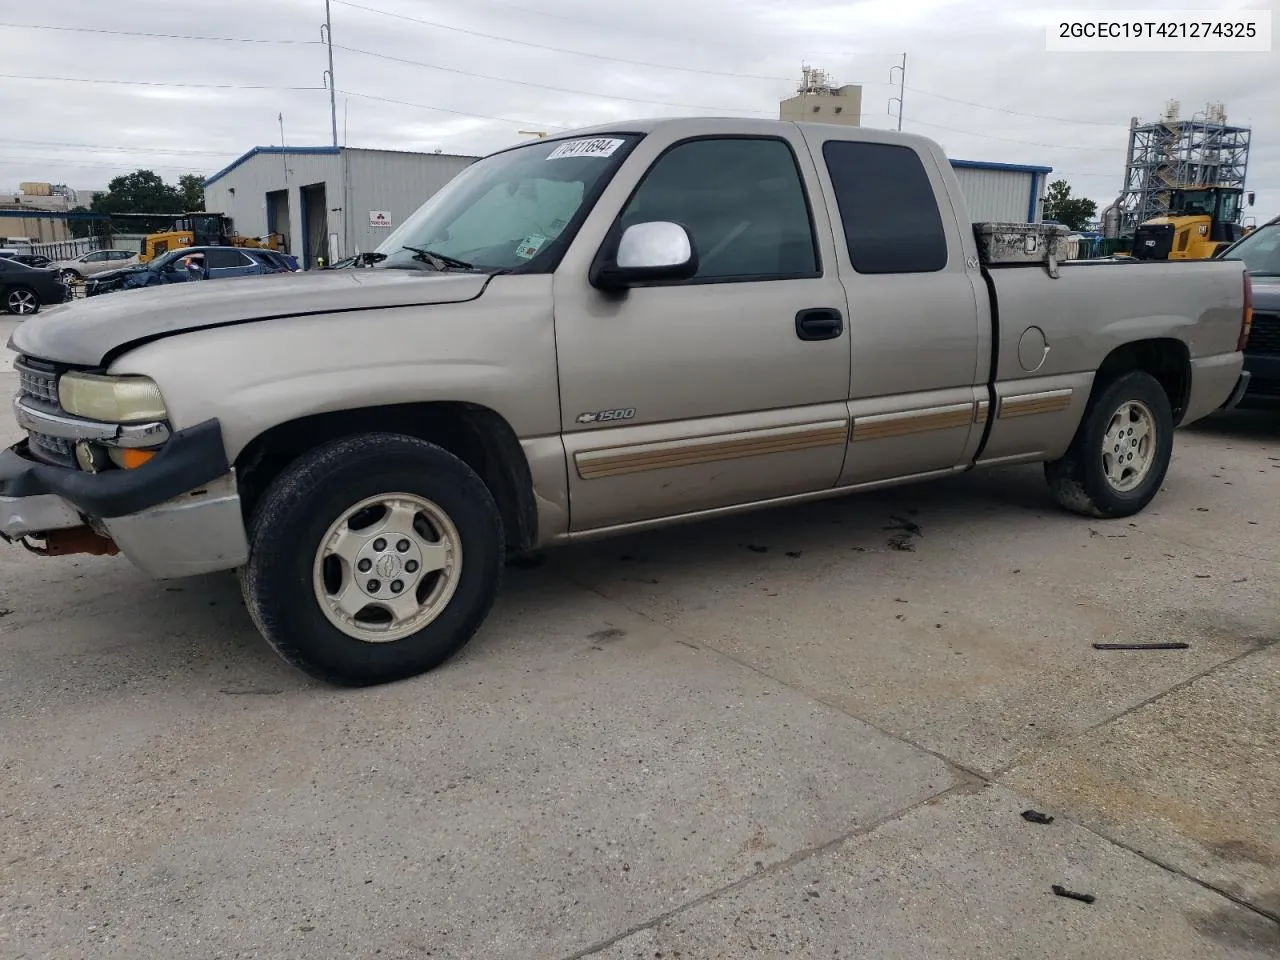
87 331
1266 294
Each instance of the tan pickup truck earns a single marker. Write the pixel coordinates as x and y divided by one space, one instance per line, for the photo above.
616 329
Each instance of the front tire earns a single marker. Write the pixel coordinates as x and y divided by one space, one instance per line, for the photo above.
21 301
373 558
1121 451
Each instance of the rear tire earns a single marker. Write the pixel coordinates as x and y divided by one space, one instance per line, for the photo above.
1121 451
373 558
21 301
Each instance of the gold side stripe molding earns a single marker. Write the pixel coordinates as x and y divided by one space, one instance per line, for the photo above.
691 451
1029 404
616 461
882 426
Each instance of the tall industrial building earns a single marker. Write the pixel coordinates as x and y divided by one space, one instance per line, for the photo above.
819 100
1177 152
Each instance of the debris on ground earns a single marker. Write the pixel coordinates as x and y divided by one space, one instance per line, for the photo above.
1035 816
757 548
905 531
793 553
1062 891
1141 646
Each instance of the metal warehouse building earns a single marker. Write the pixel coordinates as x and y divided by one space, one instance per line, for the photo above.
329 202
326 201
1002 192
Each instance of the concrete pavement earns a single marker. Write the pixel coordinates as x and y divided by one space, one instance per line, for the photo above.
684 745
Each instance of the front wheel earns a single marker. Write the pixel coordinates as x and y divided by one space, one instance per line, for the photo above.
373 558
1120 453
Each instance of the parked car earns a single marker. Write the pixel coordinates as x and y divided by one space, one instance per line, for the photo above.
92 264
284 261
1259 251
31 260
608 331
188 263
24 290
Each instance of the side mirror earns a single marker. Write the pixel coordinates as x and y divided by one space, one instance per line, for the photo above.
647 252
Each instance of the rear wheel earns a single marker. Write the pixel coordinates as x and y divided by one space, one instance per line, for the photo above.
21 301
1120 453
373 558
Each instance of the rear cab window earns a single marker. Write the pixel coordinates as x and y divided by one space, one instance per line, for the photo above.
888 207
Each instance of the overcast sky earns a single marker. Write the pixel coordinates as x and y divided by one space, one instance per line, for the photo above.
653 58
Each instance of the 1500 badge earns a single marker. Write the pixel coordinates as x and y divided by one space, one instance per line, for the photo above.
606 416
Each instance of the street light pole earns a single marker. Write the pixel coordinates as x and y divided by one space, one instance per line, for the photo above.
326 33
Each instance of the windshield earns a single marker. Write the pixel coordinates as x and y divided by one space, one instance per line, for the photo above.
1193 203
510 211
1260 251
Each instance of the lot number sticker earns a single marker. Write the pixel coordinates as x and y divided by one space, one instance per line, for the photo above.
595 147
529 246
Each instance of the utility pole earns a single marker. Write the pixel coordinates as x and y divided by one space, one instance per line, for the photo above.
902 86
326 34
284 158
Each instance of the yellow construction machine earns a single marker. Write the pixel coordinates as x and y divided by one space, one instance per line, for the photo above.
201 229
1202 220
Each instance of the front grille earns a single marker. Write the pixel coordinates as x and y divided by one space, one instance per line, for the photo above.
55 450
37 379
38 385
1264 335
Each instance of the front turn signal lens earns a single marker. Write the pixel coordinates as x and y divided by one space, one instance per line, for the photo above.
130 459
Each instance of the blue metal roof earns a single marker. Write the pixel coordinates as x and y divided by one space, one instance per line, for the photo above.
987 165
269 150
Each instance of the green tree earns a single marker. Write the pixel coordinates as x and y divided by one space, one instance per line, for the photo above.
142 191
81 228
191 189
1073 212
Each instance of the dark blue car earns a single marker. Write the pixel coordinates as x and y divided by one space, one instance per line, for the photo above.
189 263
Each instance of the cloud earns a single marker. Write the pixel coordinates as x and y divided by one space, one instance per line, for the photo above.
978 79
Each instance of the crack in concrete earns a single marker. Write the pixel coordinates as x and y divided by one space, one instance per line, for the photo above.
1259 646
969 778
966 786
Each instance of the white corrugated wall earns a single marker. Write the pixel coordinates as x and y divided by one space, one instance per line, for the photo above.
355 181
395 182
998 195
241 193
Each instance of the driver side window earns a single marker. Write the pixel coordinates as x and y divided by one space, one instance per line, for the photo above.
743 203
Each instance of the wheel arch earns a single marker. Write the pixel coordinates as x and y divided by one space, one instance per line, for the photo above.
475 434
1166 359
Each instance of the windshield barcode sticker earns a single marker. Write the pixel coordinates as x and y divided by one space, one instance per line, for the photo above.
596 147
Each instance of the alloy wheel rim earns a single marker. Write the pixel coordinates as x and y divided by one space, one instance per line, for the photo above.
22 302
1128 446
387 567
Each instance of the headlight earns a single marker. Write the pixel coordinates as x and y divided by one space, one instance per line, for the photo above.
111 399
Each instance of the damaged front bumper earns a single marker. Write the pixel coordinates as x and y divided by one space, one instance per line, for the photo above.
176 515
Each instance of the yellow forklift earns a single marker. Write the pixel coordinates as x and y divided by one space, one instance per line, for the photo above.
201 229
1202 220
